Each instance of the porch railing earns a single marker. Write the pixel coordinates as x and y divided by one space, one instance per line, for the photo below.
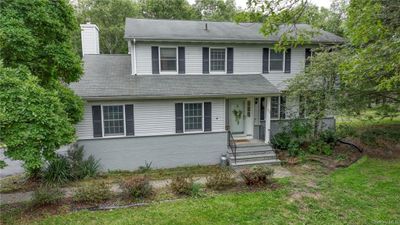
232 144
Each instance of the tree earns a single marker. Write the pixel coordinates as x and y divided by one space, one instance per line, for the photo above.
36 48
33 122
109 16
168 9
216 10
37 34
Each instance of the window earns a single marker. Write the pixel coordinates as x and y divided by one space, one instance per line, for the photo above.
275 107
276 60
262 109
193 117
168 59
248 108
113 120
217 59
278 107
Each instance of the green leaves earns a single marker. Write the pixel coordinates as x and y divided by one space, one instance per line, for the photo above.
36 123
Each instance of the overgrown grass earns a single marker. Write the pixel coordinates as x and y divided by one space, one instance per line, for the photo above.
368 192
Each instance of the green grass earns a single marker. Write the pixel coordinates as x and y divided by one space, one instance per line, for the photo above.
368 192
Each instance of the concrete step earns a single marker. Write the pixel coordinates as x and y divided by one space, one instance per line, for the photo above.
251 152
253 145
258 162
246 158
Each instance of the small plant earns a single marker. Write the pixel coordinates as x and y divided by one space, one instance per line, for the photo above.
93 193
281 141
258 175
137 187
293 148
221 180
320 147
81 168
182 185
58 171
146 167
196 190
328 136
47 195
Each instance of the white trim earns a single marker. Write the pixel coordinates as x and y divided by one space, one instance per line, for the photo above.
102 120
159 60
209 61
202 117
269 65
134 57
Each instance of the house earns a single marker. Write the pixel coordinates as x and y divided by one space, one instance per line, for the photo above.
187 93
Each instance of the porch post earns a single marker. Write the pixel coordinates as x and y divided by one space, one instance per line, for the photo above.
267 119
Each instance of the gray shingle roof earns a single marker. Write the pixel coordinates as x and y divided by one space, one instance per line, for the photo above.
185 30
110 76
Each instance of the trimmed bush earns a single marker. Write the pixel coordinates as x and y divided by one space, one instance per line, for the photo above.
47 195
93 193
221 180
257 176
182 185
137 187
58 171
81 168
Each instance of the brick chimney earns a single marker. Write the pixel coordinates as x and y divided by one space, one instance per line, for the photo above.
90 39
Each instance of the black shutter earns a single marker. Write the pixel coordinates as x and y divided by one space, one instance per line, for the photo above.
179 117
229 57
206 65
181 60
265 60
207 116
307 56
97 124
287 60
129 120
154 60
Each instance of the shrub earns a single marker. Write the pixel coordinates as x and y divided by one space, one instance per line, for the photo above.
58 171
137 187
258 175
221 180
47 195
328 136
146 167
320 147
294 148
182 185
93 193
196 190
281 141
81 168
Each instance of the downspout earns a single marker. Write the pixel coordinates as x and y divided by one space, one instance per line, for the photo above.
134 56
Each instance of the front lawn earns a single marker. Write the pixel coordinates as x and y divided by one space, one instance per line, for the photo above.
368 192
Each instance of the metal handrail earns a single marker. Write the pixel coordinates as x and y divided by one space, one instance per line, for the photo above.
232 144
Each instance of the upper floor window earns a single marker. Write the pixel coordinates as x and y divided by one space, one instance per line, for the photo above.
276 60
217 59
168 61
113 120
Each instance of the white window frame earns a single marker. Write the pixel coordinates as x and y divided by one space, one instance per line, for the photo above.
269 63
279 109
102 120
202 117
209 60
159 60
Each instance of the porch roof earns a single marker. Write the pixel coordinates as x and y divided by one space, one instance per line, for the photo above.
109 76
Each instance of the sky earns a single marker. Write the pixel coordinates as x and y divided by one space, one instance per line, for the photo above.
242 3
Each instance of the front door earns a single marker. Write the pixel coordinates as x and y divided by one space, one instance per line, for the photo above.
236 116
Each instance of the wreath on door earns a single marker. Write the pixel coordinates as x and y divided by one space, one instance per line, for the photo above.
238 114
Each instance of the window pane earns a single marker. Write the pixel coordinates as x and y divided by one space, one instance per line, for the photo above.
283 107
113 120
193 117
168 59
275 107
276 61
217 59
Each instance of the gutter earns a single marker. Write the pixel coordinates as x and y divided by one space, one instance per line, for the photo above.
133 57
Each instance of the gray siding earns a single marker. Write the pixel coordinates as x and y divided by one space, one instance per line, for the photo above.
278 125
247 60
153 117
168 151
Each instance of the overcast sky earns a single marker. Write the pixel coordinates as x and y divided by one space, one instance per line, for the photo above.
242 3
